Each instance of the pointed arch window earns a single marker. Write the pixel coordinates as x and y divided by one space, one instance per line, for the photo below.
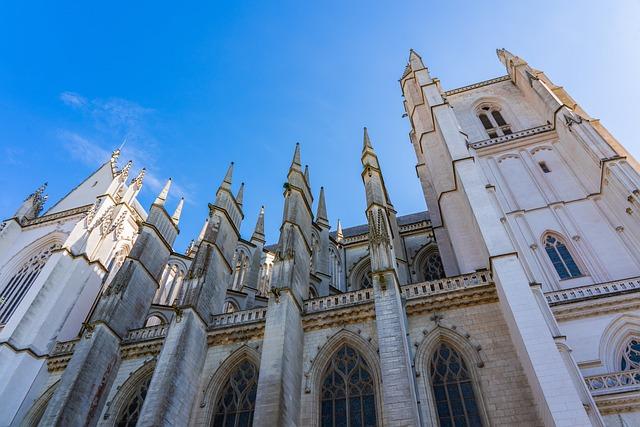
241 269
561 258
237 400
20 282
347 395
432 268
130 413
631 356
229 307
493 122
453 392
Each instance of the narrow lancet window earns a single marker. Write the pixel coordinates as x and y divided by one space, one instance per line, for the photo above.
561 258
453 389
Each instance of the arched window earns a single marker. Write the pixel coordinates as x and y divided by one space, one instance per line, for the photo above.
347 396
561 258
453 389
229 307
432 268
128 416
237 399
20 282
493 121
631 356
241 269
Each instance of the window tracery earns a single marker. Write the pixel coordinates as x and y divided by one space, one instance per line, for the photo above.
561 258
130 413
432 268
493 122
631 355
20 282
237 400
347 394
240 270
452 386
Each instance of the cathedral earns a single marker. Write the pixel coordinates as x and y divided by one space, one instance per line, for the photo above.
513 300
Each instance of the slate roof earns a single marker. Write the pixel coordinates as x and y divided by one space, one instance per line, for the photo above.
364 228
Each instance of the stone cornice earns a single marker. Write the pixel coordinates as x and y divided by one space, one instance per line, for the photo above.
477 85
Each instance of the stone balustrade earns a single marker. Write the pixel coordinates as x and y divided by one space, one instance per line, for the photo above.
600 289
417 290
614 382
340 300
148 333
64 347
511 136
239 317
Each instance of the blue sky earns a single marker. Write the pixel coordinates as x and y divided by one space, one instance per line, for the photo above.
194 86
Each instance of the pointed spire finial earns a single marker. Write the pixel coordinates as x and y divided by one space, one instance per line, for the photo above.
306 175
415 60
296 156
138 179
321 215
339 234
258 233
240 194
366 143
176 215
162 197
229 175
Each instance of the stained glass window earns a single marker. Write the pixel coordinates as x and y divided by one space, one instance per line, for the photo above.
433 267
128 416
237 399
18 285
347 395
631 356
561 258
453 389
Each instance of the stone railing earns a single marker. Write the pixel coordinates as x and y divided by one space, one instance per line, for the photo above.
340 300
615 382
417 290
64 347
148 333
601 289
239 317
512 136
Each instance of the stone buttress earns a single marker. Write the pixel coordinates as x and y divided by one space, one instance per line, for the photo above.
398 393
280 382
173 387
123 305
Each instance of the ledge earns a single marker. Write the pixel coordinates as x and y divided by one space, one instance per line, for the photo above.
506 138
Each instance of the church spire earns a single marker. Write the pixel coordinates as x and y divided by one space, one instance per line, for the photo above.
321 214
32 205
366 141
162 197
258 232
226 182
176 215
339 234
240 194
295 162
306 175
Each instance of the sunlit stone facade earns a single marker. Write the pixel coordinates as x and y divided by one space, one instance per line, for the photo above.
514 300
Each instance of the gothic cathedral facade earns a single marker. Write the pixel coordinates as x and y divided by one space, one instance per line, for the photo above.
514 300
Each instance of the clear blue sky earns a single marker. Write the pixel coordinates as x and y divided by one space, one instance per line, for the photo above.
195 86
